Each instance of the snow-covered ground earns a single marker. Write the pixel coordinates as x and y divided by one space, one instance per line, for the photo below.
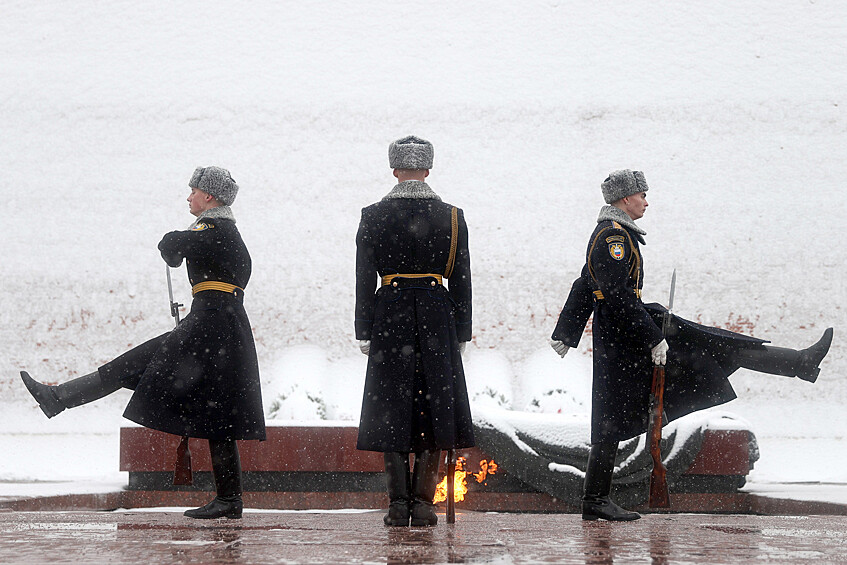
734 111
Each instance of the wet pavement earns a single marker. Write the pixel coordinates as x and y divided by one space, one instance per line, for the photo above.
152 537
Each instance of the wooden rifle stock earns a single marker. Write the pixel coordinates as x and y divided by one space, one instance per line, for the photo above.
659 497
451 477
182 465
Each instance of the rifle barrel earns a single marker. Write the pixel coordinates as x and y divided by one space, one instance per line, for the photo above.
451 489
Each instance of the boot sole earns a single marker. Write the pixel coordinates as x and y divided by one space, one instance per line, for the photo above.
395 524
592 518
229 516
423 524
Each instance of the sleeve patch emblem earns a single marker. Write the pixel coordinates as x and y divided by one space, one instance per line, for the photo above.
616 251
202 226
612 238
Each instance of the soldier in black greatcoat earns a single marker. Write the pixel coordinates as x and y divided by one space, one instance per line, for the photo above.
413 329
201 379
628 342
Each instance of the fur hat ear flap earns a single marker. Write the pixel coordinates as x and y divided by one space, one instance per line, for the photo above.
195 177
410 153
640 181
623 183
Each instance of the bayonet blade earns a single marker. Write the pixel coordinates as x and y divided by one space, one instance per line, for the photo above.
170 286
673 291
174 305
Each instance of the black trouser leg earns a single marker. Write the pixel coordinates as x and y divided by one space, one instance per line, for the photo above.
773 360
424 483
787 362
596 503
598 473
399 484
54 399
226 470
124 371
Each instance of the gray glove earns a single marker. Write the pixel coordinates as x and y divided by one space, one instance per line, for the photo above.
365 346
660 353
462 346
559 347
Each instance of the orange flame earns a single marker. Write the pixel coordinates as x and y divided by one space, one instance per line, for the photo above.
460 487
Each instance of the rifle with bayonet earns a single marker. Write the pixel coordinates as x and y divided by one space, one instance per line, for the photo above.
182 465
659 497
174 306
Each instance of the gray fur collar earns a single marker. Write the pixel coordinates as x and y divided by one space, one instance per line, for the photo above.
412 189
613 214
216 213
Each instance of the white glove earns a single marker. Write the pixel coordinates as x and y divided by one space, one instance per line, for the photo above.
462 346
660 353
559 347
365 346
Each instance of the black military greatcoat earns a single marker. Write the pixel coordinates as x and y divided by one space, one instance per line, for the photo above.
415 396
700 358
201 379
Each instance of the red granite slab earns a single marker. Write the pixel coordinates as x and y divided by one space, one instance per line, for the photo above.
333 448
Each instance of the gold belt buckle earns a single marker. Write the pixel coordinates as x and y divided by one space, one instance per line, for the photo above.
389 279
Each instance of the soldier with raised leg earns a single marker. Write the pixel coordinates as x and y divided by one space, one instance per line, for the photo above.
628 341
201 379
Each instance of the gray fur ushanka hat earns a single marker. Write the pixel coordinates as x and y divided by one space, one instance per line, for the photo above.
623 183
410 153
215 181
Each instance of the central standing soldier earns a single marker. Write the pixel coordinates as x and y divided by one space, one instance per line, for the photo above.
414 329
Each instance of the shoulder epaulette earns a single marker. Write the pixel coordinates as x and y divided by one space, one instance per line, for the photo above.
635 263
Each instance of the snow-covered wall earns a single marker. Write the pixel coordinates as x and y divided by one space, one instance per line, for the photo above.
735 112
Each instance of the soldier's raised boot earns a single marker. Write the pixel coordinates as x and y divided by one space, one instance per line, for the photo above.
596 503
399 483
226 470
54 399
424 483
803 363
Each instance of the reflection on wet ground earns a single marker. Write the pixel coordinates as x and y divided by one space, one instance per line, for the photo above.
168 537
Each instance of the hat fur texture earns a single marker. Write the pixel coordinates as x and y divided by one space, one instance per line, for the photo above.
215 181
410 153
623 183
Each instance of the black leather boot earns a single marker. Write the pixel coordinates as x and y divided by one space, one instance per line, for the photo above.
54 399
596 503
399 483
226 470
803 364
424 483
